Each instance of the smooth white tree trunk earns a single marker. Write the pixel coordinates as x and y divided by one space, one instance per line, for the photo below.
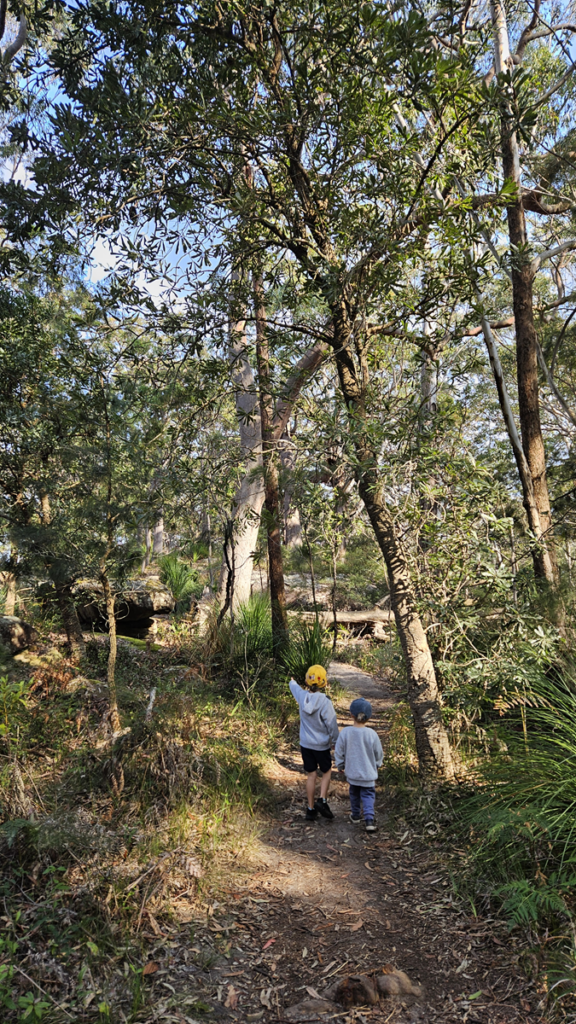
158 543
249 497
9 581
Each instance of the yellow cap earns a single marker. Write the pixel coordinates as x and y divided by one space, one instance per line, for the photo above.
316 676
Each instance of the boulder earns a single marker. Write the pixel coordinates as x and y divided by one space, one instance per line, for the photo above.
138 602
397 983
362 990
15 633
48 660
355 990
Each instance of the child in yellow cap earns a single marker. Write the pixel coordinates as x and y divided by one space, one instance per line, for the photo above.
318 732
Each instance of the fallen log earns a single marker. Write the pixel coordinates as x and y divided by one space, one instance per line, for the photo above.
376 622
346 618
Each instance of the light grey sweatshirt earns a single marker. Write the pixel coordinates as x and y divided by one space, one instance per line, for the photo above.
318 723
359 753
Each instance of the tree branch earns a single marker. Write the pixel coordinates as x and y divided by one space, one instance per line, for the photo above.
552 385
531 200
305 367
527 32
17 44
548 254
498 325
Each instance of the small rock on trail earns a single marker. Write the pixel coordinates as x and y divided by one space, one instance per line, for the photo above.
355 680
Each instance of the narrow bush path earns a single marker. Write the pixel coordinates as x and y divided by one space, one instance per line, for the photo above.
328 901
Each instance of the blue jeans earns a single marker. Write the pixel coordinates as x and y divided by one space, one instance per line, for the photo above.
366 795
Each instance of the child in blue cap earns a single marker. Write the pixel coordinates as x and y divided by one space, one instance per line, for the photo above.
359 754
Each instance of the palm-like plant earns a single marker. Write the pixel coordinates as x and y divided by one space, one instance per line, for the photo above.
309 645
181 580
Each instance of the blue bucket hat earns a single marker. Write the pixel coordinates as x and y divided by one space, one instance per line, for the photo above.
361 707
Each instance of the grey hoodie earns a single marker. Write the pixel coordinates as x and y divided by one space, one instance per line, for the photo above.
359 753
318 724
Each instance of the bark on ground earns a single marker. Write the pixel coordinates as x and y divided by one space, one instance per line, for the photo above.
328 900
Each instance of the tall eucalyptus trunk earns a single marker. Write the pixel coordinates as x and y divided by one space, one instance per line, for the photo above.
241 540
250 495
545 564
270 468
109 597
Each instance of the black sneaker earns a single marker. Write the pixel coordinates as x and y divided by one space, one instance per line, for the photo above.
323 808
311 814
370 825
355 821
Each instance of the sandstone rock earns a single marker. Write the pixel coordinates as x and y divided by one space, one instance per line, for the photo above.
360 990
139 600
48 659
15 633
396 983
355 990
310 1009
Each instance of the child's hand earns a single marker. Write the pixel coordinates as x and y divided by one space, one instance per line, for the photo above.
293 681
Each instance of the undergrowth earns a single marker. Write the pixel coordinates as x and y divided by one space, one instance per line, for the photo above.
113 843
509 833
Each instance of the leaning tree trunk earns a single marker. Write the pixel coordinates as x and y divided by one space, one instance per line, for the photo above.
545 564
542 555
432 745
435 756
271 484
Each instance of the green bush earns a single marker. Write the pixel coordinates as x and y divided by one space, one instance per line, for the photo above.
243 649
253 629
522 822
308 645
183 581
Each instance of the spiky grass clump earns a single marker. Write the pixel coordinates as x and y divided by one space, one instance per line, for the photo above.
523 819
308 645
254 629
183 581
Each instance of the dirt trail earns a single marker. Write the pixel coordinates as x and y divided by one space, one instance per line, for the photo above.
330 900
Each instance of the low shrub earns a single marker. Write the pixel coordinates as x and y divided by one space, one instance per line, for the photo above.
522 818
182 580
308 645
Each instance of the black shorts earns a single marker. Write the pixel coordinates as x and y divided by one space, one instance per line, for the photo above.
313 759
